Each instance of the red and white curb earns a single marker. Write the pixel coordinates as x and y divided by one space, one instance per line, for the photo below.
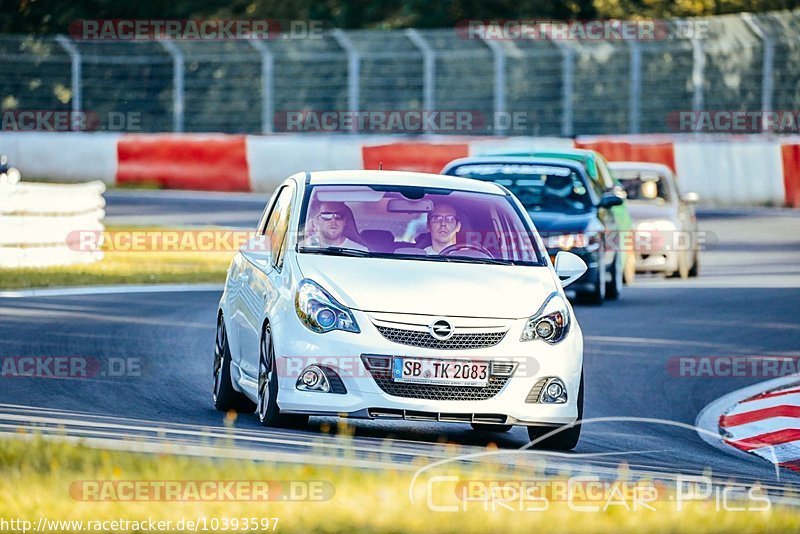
762 420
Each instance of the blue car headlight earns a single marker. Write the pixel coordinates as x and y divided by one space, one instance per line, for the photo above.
320 312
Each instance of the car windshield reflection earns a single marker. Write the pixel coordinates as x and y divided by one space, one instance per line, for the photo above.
418 223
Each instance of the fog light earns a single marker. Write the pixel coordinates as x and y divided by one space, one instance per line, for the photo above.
310 378
313 379
554 392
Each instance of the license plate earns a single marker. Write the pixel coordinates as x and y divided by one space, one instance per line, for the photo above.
442 372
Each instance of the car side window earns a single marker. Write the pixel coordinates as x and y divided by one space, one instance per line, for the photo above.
596 185
278 224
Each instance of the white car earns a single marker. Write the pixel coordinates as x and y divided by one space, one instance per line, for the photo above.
664 220
376 294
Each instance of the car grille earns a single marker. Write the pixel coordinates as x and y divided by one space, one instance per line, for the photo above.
417 338
438 392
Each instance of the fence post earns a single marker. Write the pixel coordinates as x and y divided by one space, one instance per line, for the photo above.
635 111
177 84
499 82
698 74
76 79
428 68
768 67
567 88
267 85
353 73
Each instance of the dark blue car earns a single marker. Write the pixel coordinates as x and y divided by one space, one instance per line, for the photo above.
568 211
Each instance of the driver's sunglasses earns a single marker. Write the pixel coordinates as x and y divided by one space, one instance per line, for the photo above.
449 219
331 216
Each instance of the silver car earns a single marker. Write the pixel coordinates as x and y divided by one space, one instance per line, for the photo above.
664 221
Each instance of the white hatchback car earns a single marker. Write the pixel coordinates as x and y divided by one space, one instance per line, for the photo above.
376 294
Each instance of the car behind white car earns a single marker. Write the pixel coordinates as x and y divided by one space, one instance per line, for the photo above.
375 294
664 221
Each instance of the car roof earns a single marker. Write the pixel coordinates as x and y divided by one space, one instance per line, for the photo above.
530 160
639 166
581 154
417 179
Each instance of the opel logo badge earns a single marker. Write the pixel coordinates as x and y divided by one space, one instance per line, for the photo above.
441 329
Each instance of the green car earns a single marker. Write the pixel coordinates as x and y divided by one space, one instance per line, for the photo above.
597 169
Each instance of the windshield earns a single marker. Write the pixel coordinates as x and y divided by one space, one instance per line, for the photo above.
538 187
644 186
415 223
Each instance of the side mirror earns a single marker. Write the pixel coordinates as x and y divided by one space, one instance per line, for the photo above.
257 250
691 198
609 200
569 267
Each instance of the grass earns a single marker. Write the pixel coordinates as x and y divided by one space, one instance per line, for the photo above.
125 267
36 477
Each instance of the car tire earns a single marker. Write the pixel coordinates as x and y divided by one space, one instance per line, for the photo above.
683 268
694 272
567 438
629 272
598 294
614 287
485 427
269 414
224 395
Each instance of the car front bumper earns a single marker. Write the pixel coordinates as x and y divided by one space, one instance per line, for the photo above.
296 347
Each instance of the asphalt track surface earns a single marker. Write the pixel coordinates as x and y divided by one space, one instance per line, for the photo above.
746 302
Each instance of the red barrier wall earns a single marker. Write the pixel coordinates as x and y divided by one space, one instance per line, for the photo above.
206 162
417 157
630 151
791 174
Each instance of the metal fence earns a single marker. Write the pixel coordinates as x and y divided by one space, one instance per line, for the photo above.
563 88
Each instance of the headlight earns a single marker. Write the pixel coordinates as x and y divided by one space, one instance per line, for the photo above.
320 312
551 322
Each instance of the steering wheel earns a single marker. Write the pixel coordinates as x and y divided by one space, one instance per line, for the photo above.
447 251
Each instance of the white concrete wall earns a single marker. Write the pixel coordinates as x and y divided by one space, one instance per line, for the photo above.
62 156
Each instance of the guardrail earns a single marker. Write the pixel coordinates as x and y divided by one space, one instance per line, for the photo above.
40 223
724 170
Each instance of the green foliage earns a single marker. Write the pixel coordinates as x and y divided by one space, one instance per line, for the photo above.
54 16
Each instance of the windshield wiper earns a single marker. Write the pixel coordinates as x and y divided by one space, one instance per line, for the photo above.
485 261
335 251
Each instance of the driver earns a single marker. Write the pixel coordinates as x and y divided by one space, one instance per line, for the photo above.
331 222
443 224
561 188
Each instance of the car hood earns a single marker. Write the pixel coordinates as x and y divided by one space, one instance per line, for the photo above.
554 223
430 287
642 211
